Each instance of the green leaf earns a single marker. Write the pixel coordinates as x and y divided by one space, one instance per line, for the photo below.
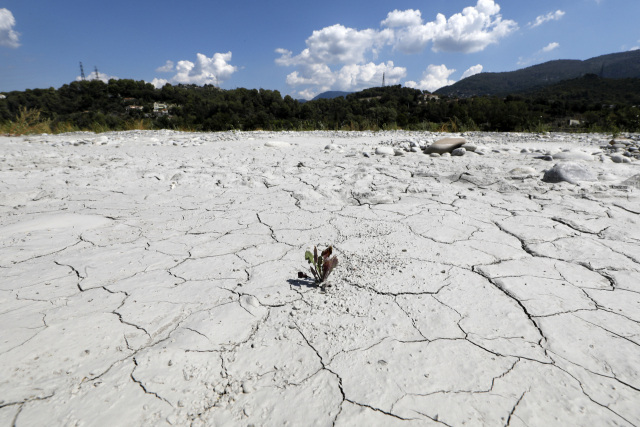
309 257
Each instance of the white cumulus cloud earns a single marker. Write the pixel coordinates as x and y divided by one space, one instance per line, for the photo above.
337 44
551 16
166 68
348 78
550 47
308 93
470 31
8 37
355 51
634 48
434 77
158 83
402 18
476 69
100 76
214 70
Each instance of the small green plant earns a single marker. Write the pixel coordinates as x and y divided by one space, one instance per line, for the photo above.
320 266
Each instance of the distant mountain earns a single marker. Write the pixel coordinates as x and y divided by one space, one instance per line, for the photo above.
588 90
331 94
614 66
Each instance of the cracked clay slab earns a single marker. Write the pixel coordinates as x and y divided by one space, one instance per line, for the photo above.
151 279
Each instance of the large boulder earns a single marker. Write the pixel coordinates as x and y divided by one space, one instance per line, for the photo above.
570 172
446 145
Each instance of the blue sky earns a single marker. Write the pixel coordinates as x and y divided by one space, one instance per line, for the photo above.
301 48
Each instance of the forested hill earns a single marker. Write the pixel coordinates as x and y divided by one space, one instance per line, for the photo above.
590 89
330 95
614 66
127 104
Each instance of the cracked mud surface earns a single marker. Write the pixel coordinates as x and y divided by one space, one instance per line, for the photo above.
149 279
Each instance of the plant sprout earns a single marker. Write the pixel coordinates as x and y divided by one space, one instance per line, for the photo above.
320 266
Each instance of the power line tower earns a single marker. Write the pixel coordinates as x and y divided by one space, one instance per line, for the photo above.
97 73
382 79
82 73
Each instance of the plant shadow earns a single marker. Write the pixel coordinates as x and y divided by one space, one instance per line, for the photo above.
307 283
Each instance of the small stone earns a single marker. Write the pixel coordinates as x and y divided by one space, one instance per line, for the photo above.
445 155
617 158
434 155
398 152
458 152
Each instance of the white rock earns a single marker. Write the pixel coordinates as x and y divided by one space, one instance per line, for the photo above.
388 151
276 144
573 155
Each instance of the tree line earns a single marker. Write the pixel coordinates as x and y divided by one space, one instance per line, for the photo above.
95 105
